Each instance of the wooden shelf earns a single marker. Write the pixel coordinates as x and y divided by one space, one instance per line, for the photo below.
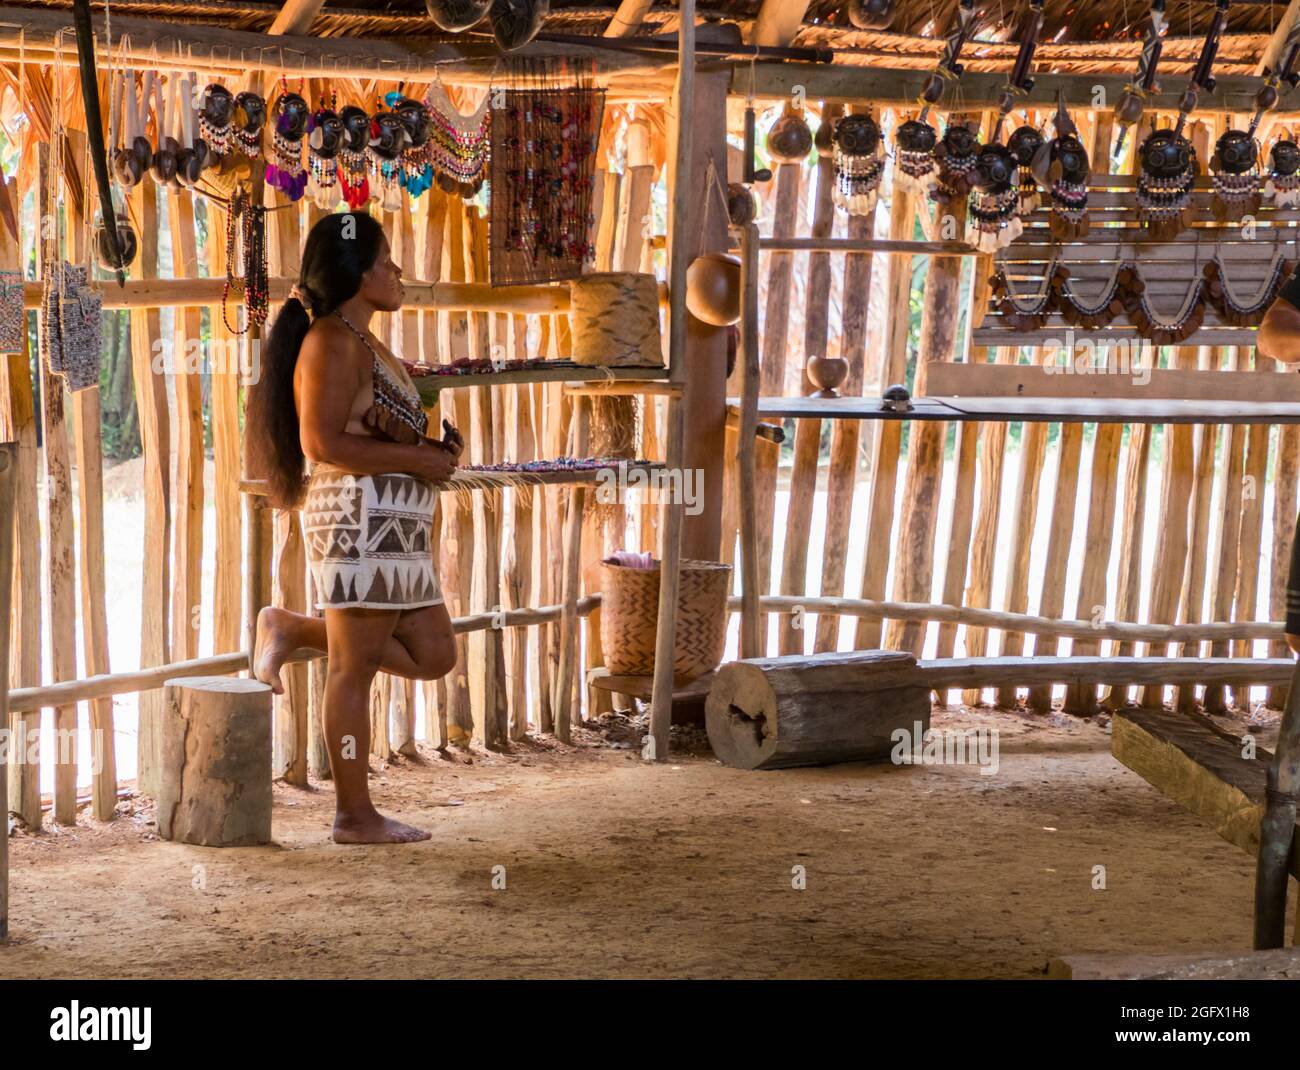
431 385
1035 410
476 480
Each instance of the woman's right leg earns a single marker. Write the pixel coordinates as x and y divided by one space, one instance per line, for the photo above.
356 641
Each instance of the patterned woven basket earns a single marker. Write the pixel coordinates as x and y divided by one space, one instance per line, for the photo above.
615 319
629 612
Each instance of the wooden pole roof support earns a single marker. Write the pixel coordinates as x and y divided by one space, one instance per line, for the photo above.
778 21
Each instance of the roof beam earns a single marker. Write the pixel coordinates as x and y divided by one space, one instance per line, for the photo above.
1270 57
843 84
296 16
628 18
778 21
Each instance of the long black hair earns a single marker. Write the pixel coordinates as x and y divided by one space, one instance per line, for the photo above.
339 250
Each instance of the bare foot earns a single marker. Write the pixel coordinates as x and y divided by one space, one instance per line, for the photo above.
376 829
272 647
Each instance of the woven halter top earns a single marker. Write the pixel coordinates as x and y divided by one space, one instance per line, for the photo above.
401 399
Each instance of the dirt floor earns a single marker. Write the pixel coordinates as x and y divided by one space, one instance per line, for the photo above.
618 868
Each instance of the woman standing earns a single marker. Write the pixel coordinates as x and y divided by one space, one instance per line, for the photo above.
332 394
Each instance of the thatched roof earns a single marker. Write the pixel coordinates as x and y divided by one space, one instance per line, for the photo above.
1080 36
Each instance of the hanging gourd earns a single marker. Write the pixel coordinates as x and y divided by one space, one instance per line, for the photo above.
713 288
789 139
456 15
135 156
516 22
189 160
742 208
872 14
168 148
104 255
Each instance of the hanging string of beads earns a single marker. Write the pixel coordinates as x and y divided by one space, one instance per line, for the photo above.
246 246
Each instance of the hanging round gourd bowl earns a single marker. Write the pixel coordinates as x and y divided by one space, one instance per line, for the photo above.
713 288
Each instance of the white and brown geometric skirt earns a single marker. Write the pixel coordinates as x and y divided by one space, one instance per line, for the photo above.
369 540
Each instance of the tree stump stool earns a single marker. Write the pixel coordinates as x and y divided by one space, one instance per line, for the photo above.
215 780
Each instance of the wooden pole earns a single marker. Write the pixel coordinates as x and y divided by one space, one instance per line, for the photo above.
807 435
16 397
8 482
670 554
750 637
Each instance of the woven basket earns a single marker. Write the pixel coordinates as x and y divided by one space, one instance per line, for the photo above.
629 612
615 319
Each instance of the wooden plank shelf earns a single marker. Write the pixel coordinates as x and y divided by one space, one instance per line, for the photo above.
462 480
1118 333
1035 410
430 386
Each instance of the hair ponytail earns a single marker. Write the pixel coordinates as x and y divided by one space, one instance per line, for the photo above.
340 249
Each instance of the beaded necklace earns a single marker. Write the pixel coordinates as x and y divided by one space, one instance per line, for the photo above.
392 398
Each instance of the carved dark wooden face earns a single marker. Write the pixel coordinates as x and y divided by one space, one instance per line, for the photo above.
325 133
995 169
1286 157
916 136
291 113
959 142
1236 152
1164 155
387 135
415 117
250 112
1024 144
456 15
857 135
1072 157
218 105
356 127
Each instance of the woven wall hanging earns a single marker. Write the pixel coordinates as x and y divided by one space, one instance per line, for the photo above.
544 132
70 326
13 320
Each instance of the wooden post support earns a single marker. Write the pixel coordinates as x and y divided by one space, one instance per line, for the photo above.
214 784
8 481
1277 828
661 701
774 713
750 637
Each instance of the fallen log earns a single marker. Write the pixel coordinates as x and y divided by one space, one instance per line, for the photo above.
775 713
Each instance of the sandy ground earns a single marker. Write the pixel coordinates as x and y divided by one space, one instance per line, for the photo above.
617 868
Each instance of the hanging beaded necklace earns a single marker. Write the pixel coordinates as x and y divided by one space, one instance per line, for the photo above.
246 235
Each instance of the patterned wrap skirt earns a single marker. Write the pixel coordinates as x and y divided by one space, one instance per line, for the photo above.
370 540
